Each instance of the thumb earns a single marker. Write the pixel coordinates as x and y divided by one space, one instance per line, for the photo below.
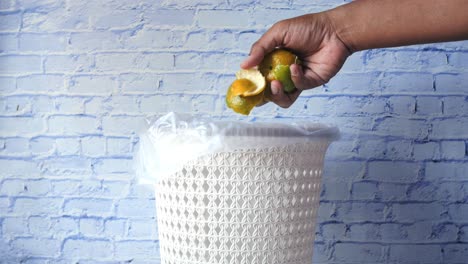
268 42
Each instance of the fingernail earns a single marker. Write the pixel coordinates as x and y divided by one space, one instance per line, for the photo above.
274 89
294 71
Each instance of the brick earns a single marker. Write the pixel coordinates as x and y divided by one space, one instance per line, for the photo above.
16 147
345 171
92 85
393 232
359 253
88 249
145 39
17 106
219 39
33 247
58 19
444 232
399 149
66 166
125 62
387 171
136 208
451 83
407 82
402 127
39 226
140 83
87 207
17 187
95 40
42 146
190 61
95 106
392 191
69 105
422 191
464 234
364 232
451 191
410 212
7 5
364 191
5 204
14 227
64 187
39 6
458 212
93 146
116 19
10 22
42 104
114 189
123 104
68 63
446 171
458 60
335 191
122 125
46 83
111 166
114 227
9 42
7 85
454 105
359 105
402 105
334 231
368 148
37 206
426 151
73 125
68 146
405 60
455 253
170 17
360 211
20 64
429 106
142 229
129 249
91 227
42 42
450 128
322 253
416 253
20 168
267 17
452 150
179 82
222 19
64 226
118 146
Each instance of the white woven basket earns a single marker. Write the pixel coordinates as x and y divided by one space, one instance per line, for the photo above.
246 206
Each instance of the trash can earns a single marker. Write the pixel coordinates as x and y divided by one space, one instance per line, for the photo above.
238 192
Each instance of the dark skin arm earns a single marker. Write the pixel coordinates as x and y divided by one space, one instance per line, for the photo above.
323 41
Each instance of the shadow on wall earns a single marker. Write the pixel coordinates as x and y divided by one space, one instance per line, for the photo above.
396 191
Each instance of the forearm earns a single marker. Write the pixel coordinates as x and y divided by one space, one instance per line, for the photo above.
367 24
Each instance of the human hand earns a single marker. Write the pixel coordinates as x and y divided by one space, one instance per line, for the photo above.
313 39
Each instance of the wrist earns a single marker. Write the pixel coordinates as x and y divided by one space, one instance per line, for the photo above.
341 27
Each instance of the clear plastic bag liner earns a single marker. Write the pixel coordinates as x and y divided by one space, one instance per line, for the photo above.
172 140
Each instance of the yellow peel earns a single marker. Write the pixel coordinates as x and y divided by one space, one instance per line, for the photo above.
255 76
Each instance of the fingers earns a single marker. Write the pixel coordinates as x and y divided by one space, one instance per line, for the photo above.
268 42
304 81
279 97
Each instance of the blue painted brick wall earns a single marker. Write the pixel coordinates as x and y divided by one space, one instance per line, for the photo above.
77 79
